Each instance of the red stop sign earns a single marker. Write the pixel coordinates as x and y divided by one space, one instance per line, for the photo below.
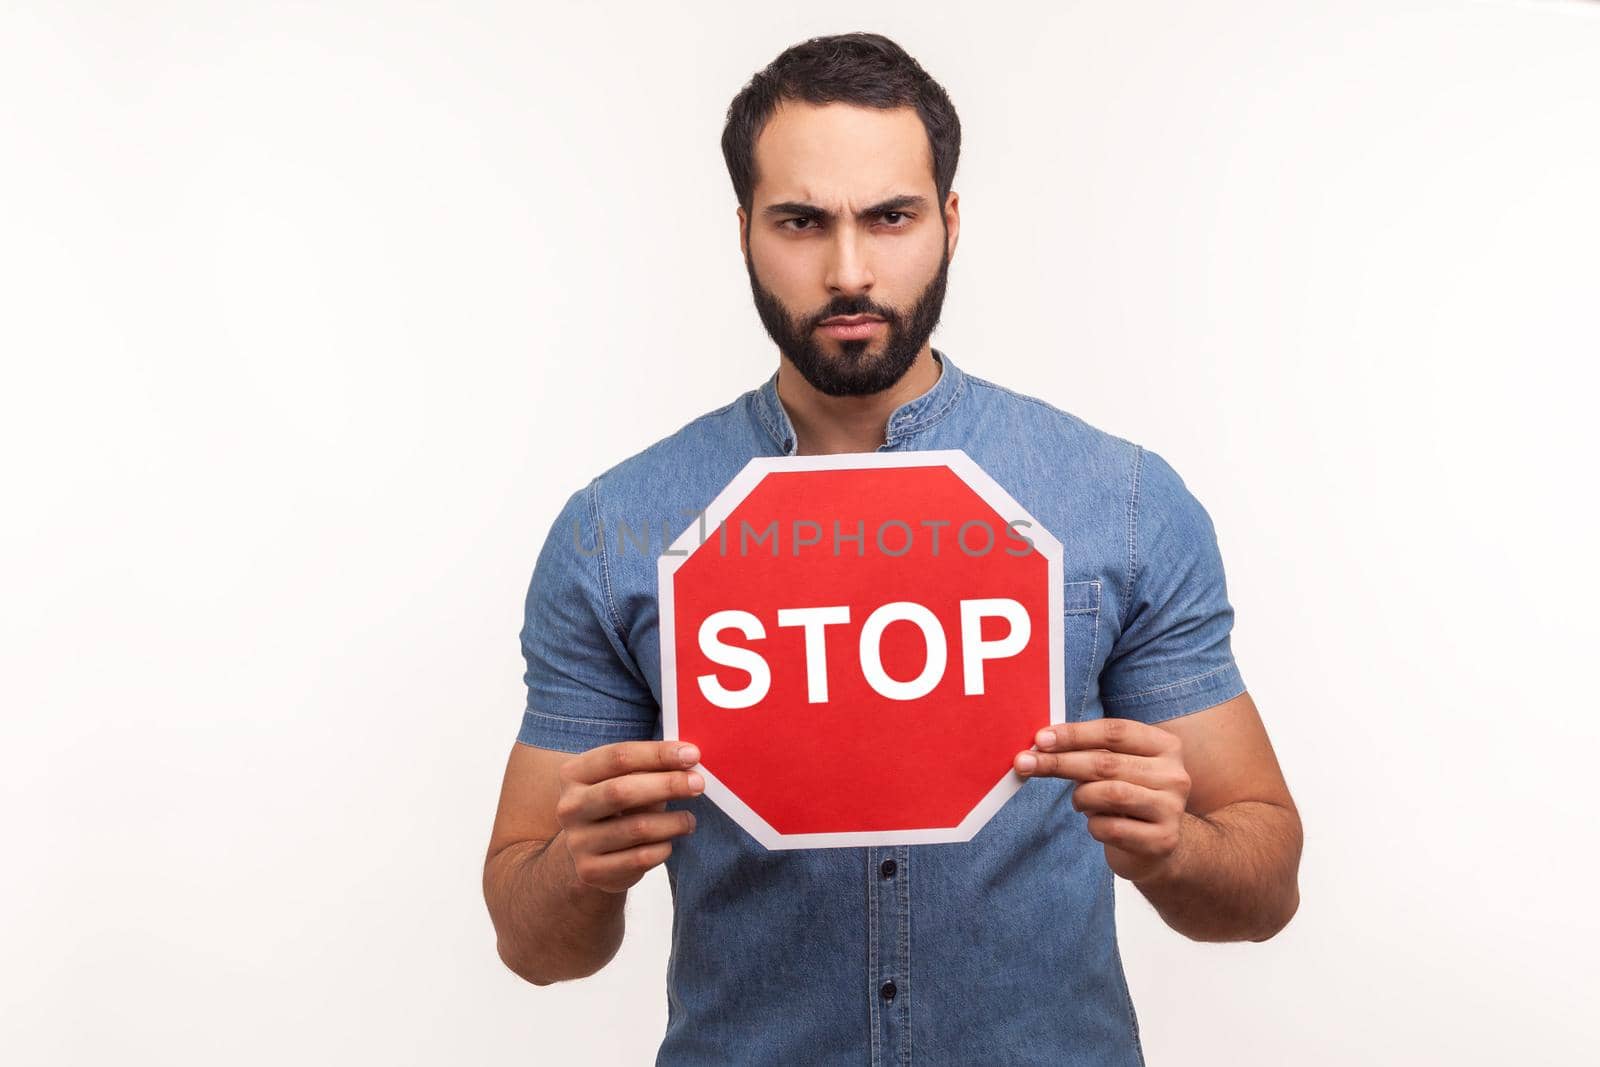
859 644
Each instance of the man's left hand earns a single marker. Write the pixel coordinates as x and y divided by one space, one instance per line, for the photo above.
1131 782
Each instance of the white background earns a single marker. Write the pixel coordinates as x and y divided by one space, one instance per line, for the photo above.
313 314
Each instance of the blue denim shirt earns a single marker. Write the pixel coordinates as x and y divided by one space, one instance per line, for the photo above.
999 950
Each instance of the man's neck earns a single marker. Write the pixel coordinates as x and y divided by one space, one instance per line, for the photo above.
826 425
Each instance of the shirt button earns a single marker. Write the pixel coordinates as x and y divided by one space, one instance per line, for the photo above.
887 868
888 990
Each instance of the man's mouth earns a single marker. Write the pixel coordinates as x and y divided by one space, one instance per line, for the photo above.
851 327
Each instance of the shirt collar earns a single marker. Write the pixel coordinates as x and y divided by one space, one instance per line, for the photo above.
914 416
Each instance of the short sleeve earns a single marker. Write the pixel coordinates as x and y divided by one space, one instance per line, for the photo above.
584 687
1173 655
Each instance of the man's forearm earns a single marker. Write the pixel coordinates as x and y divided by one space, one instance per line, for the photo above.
1234 875
550 926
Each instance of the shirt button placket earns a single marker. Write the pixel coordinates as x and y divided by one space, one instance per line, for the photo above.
892 934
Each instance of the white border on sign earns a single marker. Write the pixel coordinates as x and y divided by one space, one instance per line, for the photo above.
717 512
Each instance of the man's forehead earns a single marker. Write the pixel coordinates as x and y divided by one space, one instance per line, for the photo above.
842 155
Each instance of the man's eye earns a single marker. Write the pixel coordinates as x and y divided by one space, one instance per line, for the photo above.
887 216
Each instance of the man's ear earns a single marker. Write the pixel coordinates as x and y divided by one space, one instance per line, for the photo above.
744 242
952 221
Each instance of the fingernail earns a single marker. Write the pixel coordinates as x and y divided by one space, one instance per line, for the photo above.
1044 738
688 754
696 783
1026 763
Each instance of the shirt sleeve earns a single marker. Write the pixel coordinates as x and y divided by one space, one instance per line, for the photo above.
1173 655
584 687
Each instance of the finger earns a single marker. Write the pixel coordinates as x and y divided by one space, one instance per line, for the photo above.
631 831
1092 765
660 805
617 871
615 795
1133 835
1127 800
1119 735
626 757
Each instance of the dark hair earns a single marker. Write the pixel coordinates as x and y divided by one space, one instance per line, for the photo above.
865 69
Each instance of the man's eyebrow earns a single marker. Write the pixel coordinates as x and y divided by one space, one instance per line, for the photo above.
812 211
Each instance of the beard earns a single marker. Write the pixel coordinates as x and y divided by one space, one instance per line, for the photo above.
855 371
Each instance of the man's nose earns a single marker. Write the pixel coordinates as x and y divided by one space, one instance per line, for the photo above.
848 271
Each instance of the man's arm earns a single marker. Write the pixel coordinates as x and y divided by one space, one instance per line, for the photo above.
571 836
1235 873
548 925
582 810
1193 810
1178 779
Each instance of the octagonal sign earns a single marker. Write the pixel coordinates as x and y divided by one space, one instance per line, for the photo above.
859 644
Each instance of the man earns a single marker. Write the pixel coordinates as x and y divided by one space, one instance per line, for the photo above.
1000 950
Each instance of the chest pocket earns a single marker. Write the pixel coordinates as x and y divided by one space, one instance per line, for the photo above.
1080 634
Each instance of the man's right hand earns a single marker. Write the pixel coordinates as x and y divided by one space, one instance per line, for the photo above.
613 813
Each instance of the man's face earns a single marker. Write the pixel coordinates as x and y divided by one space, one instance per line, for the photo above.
845 222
